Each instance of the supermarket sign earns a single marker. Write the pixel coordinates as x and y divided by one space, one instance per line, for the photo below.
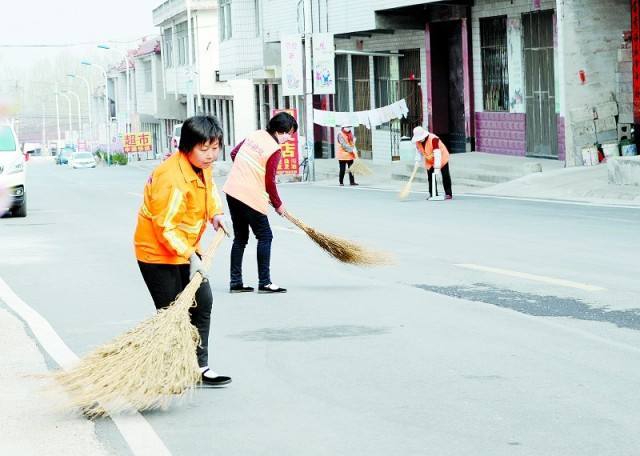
137 142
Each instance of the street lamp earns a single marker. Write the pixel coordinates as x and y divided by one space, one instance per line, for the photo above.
106 105
69 104
79 114
86 82
126 62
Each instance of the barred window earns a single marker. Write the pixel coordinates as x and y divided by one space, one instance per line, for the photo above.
225 19
148 77
381 71
168 47
495 68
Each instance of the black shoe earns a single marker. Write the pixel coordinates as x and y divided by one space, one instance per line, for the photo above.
354 184
240 289
341 184
220 380
271 288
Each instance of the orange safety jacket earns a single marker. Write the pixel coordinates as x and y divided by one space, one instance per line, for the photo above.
246 178
174 214
341 152
427 151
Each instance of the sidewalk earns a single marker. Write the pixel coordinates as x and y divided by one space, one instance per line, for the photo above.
479 173
32 421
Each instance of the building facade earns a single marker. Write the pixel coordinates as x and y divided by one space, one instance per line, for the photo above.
512 77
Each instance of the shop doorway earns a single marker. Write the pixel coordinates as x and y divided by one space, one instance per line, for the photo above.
447 84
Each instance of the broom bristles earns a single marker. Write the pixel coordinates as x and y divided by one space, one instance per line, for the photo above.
407 187
342 249
146 367
358 168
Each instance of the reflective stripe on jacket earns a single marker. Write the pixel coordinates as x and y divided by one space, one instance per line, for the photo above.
341 152
427 151
246 178
176 208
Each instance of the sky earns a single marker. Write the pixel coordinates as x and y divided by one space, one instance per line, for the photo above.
53 22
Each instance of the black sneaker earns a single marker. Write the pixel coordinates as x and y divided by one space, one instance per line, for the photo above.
219 380
354 184
240 289
271 288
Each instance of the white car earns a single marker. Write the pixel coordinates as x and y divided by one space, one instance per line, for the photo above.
82 160
13 193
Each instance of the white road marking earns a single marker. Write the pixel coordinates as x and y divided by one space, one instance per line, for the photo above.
135 429
534 277
553 201
475 195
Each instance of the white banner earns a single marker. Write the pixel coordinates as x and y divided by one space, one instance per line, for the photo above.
369 119
291 56
323 64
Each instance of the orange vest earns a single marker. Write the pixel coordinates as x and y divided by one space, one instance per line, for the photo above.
427 151
176 208
341 153
246 178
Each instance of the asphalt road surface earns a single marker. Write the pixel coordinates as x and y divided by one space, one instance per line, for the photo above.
504 327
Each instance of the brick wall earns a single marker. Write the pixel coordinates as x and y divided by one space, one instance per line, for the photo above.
591 32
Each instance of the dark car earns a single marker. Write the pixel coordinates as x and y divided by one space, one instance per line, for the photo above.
63 157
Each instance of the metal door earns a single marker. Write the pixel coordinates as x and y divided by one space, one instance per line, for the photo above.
542 136
362 102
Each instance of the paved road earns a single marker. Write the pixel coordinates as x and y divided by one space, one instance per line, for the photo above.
505 327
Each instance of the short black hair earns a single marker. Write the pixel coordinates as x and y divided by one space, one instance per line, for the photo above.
198 130
283 122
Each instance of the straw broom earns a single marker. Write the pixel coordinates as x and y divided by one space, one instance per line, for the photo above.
407 187
341 249
358 168
146 367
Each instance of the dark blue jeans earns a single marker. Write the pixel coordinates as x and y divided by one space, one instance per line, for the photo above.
243 217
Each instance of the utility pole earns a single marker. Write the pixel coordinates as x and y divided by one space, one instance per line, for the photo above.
44 130
308 88
57 120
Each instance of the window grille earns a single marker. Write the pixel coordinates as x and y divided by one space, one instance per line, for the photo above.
495 68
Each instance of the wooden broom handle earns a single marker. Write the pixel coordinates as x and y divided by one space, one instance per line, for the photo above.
207 258
413 174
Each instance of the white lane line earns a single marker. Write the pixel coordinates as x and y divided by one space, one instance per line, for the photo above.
135 429
476 195
534 277
553 201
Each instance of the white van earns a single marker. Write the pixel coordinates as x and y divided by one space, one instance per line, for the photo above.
12 174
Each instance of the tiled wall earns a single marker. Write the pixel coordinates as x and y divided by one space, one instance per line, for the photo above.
501 133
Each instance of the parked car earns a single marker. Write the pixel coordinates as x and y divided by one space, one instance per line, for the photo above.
63 157
12 172
82 160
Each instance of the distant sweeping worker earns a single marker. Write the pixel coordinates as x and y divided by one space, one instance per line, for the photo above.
346 153
180 198
250 188
430 148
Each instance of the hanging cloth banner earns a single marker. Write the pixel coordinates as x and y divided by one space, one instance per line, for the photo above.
369 119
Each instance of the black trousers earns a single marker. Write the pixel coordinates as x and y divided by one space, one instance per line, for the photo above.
165 282
446 179
343 166
243 217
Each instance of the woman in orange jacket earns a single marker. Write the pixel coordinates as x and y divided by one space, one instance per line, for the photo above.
180 198
427 144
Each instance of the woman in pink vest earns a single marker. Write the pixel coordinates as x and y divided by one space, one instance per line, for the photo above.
428 145
250 188
346 153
